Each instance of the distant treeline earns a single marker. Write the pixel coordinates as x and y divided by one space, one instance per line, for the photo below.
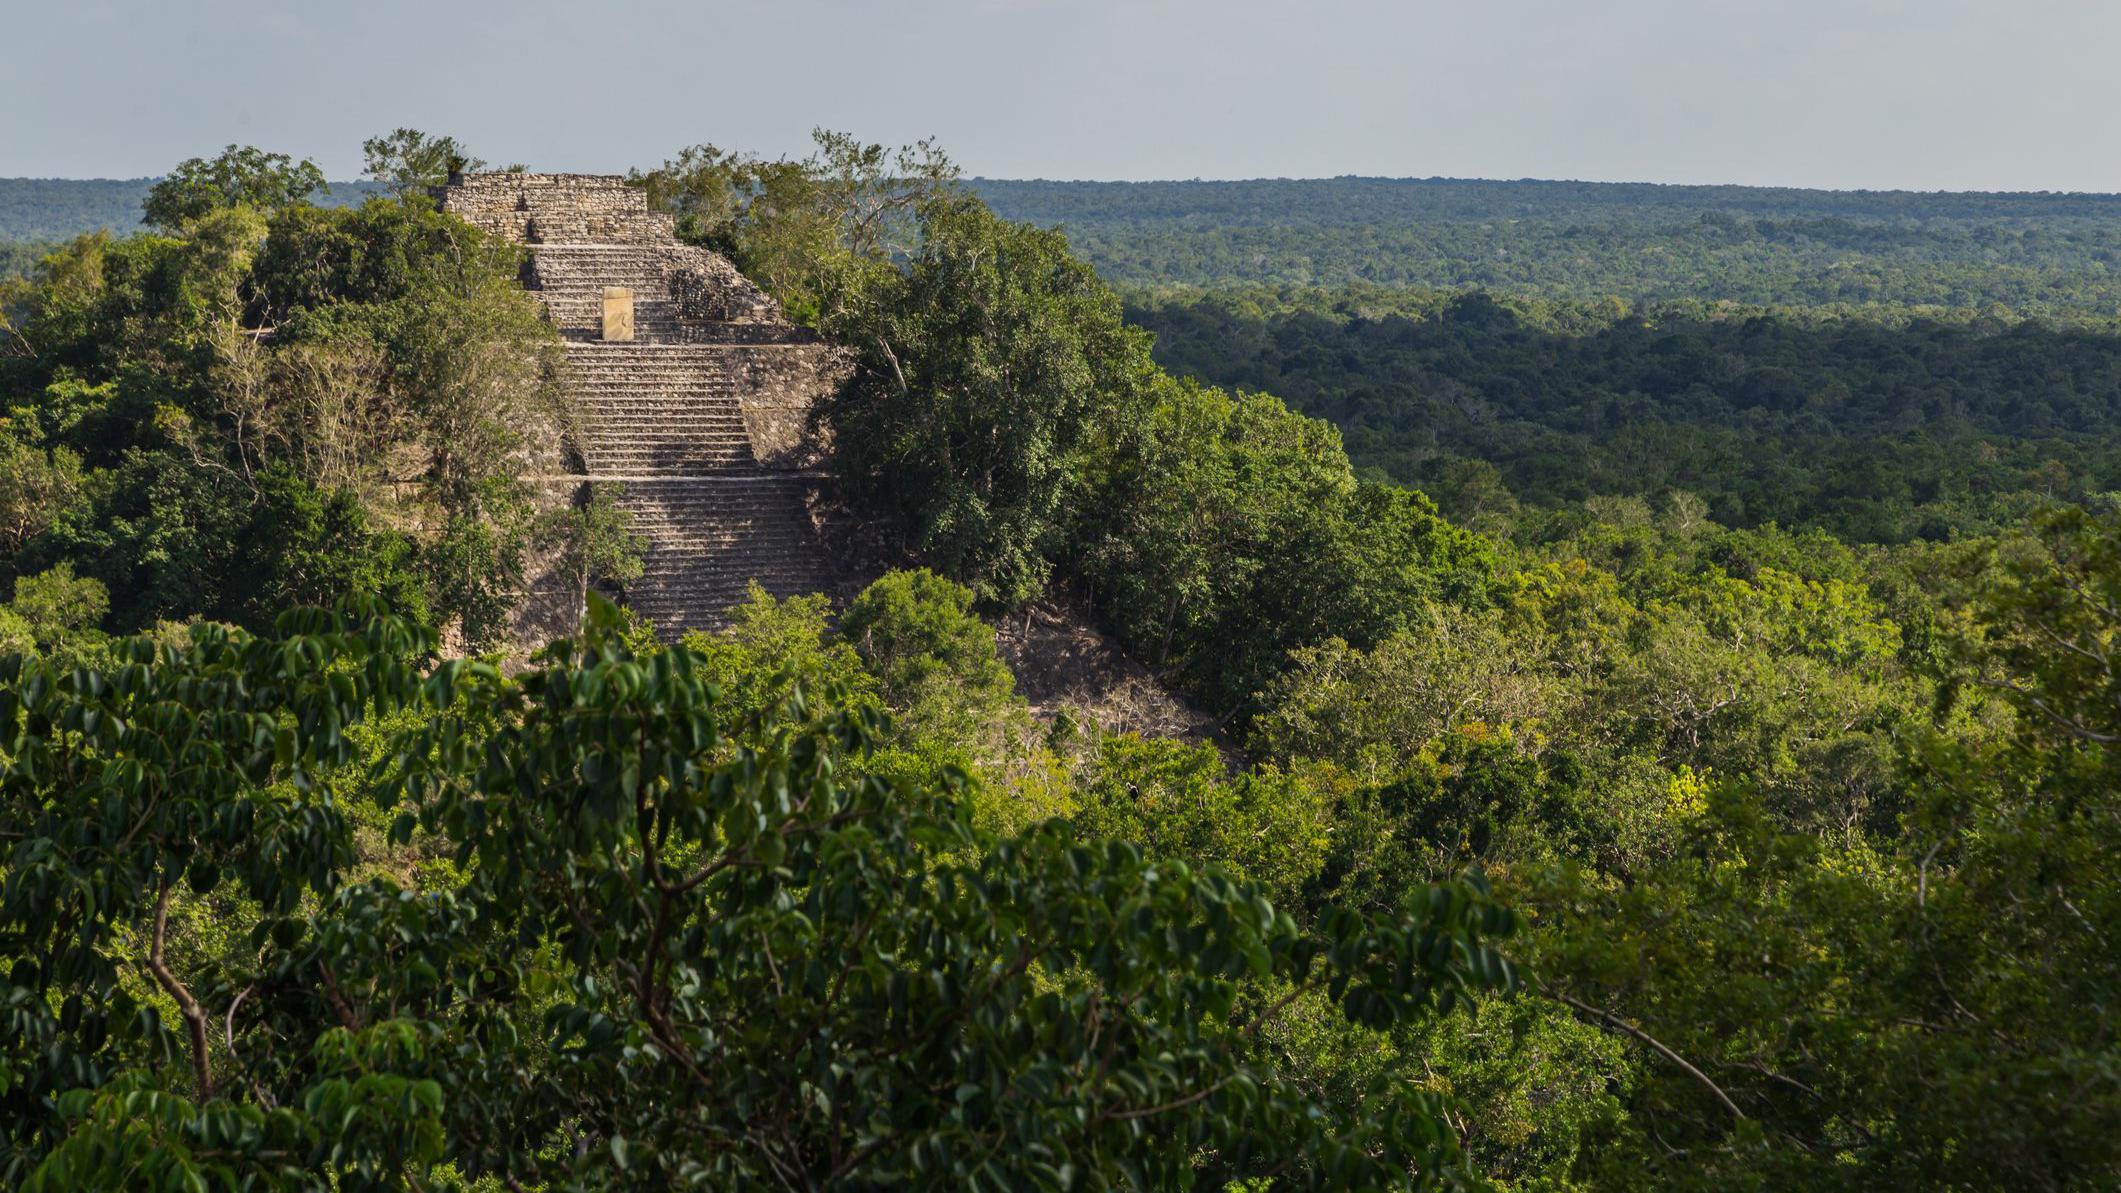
1356 200
51 209
1880 429
46 209
2034 253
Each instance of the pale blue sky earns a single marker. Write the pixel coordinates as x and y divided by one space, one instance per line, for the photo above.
1926 94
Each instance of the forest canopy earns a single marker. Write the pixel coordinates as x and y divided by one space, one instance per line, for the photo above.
1878 427
1710 787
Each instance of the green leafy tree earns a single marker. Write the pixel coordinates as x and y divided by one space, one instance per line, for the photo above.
376 436
595 542
38 487
682 946
241 176
935 661
819 233
56 603
1229 531
1178 801
981 379
409 161
314 546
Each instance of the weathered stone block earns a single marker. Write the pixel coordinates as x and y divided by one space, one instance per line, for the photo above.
618 313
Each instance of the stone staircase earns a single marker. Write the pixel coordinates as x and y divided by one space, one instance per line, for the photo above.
711 536
656 409
690 419
571 279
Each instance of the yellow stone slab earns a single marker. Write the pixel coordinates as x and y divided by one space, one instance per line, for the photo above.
618 313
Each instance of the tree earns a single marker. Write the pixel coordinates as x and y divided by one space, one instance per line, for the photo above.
1375 711
409 161
1177 800
56 603
38 487
1228 531
404 373
594 543
242 176
981 378
314 545
935 661
819 234
680 946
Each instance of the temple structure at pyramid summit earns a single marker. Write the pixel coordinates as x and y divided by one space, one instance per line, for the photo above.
691 391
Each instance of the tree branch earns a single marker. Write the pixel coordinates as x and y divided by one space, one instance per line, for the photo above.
1609 1019
194 1014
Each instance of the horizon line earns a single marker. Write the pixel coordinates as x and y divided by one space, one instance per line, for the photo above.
1431 179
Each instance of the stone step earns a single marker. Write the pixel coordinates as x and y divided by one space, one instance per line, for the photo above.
675 395
710 374
665 438
653 380
705 357
674 387
674 462
621 442
590 297
591 314
711 519
707 404
621 418
699 359
662 418
718 522
718 406
695 403
723 558
561 250
672 584
615 448
623 445
659 437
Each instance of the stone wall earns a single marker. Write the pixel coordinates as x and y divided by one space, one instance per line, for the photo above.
783 385
557 208
705 289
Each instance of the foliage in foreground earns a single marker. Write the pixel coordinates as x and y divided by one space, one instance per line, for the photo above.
656 944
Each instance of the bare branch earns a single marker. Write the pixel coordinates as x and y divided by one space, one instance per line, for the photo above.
1609 1019
194 1014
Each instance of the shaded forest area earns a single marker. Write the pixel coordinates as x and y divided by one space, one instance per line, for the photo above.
1880 430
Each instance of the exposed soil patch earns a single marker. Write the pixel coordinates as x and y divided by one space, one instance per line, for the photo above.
1063 662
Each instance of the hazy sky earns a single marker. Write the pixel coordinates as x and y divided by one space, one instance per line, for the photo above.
1927 94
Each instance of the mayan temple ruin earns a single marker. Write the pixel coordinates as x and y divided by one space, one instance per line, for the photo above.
691 391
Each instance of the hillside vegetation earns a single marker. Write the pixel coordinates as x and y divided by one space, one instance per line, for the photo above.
1635 841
